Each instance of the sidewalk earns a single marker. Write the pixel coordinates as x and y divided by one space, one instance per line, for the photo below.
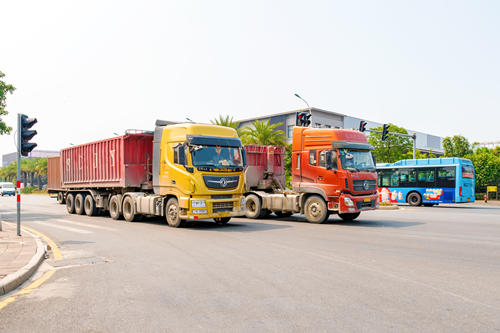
19 257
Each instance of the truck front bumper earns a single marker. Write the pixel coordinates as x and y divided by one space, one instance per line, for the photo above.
354 204
216 208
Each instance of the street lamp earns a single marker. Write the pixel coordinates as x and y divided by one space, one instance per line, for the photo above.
310 110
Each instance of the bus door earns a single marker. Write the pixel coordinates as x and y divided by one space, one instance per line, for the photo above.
465 187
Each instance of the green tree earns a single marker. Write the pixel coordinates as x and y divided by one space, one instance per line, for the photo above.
4 90
263 133
456 146
287 163
419 154
227 121
487 167
393 148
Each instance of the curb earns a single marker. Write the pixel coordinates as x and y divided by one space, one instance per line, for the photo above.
393 207
14 280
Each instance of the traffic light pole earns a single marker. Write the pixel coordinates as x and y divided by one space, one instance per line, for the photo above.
18 183
412 136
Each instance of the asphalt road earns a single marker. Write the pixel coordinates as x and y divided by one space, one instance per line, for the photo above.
411 270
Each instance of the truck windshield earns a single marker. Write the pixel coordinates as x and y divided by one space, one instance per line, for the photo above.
216 156
356 160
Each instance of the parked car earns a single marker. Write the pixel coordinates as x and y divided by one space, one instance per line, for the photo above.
7 189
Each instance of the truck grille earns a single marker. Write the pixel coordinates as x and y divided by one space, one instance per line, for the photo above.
225 206
364 184
221 182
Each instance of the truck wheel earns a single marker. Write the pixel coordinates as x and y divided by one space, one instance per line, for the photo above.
414 199
128 209
172 213
89 206
114 208
70 203
222 220
253 206
316 210
349 216
79 204
60 198
283 214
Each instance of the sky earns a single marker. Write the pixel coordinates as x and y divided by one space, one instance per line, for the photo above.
89 69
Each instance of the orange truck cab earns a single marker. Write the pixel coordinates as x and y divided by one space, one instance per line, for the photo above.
337 165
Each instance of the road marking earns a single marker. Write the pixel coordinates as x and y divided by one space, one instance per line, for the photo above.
86 225
28 289
79 231
55 248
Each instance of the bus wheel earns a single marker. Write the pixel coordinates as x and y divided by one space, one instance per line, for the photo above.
89 206
222 220
60 198
253 206
414 199
349 216
70 203
315 209
114 208
172 213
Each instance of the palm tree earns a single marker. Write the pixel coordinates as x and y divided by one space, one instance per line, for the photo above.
263 133
41 170
227 121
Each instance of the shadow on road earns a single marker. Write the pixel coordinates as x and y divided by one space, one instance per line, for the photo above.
334 220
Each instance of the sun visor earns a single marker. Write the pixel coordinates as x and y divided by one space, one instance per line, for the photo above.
352 145
213 141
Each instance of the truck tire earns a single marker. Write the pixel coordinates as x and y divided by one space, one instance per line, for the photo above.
172 213
316 210
70 203
114 208
60 198
79 204
89 206
282 214
253 206
414 199
222 220
128 209
349 216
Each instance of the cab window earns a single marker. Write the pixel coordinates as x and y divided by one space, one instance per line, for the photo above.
312 157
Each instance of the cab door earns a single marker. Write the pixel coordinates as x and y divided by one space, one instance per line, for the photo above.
327 177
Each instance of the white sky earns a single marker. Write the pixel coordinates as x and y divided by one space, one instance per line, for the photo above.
88 69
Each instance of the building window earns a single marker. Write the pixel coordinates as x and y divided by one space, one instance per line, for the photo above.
289 131
317 125
328 126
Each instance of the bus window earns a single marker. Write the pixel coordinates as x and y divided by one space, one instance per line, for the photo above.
386 177
426 177
407 177
467 171
395 178
445 177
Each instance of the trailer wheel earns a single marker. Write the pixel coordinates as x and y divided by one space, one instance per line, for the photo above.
349 216
414 199
172 213
222 220
79 204
114 208
253 206
70 203
128 209
89 206
282 214
316 210
60 198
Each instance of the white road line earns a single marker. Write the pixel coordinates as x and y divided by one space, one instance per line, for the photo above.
80 231
86 225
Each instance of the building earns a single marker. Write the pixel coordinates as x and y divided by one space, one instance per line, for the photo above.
12 157
329 119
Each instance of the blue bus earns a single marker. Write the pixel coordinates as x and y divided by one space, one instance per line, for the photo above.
427 181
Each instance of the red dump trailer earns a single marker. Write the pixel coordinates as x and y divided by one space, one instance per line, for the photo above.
122 163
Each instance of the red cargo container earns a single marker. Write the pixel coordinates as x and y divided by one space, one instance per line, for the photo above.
54 173
262 160
124 162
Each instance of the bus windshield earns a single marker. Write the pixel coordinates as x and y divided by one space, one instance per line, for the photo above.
216 156
356 160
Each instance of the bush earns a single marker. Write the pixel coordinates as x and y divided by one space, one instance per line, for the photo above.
27 190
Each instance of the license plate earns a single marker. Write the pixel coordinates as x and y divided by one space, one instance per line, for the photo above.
367 200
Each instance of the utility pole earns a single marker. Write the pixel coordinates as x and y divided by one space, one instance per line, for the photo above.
18 182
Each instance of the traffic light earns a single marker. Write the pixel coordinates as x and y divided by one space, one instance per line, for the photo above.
303 118
362 126
26 134
385 132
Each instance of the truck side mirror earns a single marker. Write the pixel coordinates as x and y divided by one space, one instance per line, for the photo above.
244 156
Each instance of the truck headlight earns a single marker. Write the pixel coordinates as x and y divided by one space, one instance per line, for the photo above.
198 203
348 201
242 201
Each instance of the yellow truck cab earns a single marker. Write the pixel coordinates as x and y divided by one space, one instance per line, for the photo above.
198 171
